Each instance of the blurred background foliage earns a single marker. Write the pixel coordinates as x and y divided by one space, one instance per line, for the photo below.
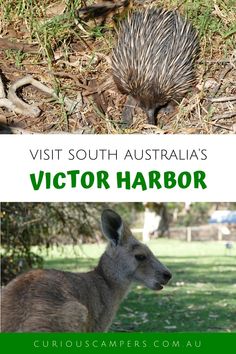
24 225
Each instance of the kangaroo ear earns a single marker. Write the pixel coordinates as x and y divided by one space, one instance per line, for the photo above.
112 226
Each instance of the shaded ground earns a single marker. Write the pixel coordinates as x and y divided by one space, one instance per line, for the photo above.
201 296
59 46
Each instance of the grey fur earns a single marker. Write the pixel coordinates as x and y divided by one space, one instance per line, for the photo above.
48 300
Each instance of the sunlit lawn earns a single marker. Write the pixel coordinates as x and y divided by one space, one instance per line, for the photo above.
200 297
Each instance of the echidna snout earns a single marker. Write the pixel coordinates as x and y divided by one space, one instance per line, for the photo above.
154 58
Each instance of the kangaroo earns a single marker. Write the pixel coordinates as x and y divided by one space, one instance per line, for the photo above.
56 301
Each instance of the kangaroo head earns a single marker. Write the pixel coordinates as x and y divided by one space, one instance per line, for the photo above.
131 260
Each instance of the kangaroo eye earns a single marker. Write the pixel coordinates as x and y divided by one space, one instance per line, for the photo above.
140 257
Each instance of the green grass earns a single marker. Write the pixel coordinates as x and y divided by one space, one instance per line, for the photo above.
200 297
215 22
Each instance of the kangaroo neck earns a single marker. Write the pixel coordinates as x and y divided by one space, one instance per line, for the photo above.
113 276
111 290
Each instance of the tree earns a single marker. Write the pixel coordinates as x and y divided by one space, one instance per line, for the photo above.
24 225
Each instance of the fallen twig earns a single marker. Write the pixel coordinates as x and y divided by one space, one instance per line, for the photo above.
23 47
222 99
17 105
220 126
101 10
225 115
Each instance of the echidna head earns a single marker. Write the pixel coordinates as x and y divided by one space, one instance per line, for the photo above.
150 110
151 101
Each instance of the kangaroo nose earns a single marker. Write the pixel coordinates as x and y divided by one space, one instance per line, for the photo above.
167 275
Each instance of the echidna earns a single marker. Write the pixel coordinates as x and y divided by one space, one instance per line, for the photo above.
154 58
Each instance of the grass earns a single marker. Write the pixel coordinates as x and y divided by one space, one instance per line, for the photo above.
71 55
201 296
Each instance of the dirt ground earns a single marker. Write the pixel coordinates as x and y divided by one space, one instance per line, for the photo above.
66 47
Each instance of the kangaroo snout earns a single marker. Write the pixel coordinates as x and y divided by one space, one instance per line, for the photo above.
167 276
162 276
163 279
